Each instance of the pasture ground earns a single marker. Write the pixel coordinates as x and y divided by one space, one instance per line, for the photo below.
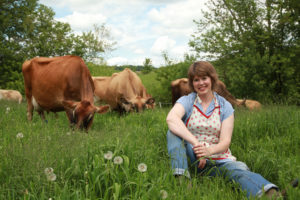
267 140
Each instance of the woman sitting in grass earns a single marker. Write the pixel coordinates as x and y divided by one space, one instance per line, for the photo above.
204 121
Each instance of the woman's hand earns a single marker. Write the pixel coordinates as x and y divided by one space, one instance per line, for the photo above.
202 163
201 151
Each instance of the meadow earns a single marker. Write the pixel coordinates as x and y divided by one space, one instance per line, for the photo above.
47 160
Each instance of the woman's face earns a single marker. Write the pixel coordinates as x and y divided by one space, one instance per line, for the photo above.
202 85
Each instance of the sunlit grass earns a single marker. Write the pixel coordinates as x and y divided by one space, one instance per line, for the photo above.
105 163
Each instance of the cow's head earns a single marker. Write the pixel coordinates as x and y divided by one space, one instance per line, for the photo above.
137 104
151 103
82 113
241 102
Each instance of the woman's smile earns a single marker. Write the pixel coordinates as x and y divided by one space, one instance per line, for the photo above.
202 85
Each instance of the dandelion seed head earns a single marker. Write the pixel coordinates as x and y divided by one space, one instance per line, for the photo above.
68 133
108 155
7 110
48 171
164 194
118 160
20 135
142 167
51 177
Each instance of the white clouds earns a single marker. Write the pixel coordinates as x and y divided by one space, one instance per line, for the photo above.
83 21
176 19
117 61
125 61
179 51
163 43
139 51
141 28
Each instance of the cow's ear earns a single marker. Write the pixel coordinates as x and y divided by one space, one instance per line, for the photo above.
102 109
150 101
69 104
243 103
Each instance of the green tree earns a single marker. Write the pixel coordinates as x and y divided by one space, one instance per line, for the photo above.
166 58
47 37
28 29
147 66
253 45
15 17
92 44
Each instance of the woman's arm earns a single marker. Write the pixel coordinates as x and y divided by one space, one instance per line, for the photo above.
177 126
224 142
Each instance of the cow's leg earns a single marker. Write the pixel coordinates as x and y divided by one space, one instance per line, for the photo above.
72 118
120 110
29 104
42 115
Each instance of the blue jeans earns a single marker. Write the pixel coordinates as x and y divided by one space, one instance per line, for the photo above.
179 150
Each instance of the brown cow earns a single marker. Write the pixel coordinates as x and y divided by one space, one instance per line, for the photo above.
11 95
123 91
250 104
181 87
58 84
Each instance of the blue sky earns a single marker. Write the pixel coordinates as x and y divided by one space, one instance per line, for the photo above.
141 28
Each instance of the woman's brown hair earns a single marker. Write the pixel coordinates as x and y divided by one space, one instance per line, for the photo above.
202 68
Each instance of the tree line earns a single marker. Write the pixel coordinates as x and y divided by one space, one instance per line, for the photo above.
253 44
28 29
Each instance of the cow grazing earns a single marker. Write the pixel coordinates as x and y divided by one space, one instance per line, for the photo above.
11 95
250 104
123 91
58 84
180 87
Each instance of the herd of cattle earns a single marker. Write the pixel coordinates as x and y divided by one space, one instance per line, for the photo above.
65 84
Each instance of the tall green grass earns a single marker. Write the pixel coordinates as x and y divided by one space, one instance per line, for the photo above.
267 140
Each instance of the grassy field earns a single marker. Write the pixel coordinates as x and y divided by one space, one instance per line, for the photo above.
267 140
